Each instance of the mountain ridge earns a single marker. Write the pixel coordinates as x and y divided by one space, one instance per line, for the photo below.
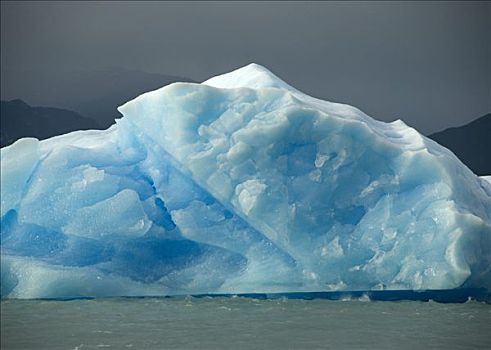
19 119
470 143
94 94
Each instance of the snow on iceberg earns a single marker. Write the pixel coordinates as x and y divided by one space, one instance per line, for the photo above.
239 184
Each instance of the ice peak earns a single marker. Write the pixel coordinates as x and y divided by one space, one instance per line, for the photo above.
253 76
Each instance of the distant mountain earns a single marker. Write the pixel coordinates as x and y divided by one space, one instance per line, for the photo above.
471 143
18 119
95 94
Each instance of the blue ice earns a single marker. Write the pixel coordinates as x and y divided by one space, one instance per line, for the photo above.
239 184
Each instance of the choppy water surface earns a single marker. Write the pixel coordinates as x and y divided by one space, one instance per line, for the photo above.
243 323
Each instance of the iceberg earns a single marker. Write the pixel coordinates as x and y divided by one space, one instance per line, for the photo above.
240 184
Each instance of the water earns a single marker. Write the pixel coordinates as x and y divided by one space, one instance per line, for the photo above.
243 323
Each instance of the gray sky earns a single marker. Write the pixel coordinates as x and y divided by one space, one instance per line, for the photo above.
428 63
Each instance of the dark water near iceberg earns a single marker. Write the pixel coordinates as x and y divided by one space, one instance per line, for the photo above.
243 323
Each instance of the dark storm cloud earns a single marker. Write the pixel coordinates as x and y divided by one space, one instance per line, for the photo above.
426 63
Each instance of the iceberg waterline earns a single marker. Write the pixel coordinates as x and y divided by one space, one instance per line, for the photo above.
241 184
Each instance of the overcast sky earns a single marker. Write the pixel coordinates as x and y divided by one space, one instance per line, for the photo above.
428 63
